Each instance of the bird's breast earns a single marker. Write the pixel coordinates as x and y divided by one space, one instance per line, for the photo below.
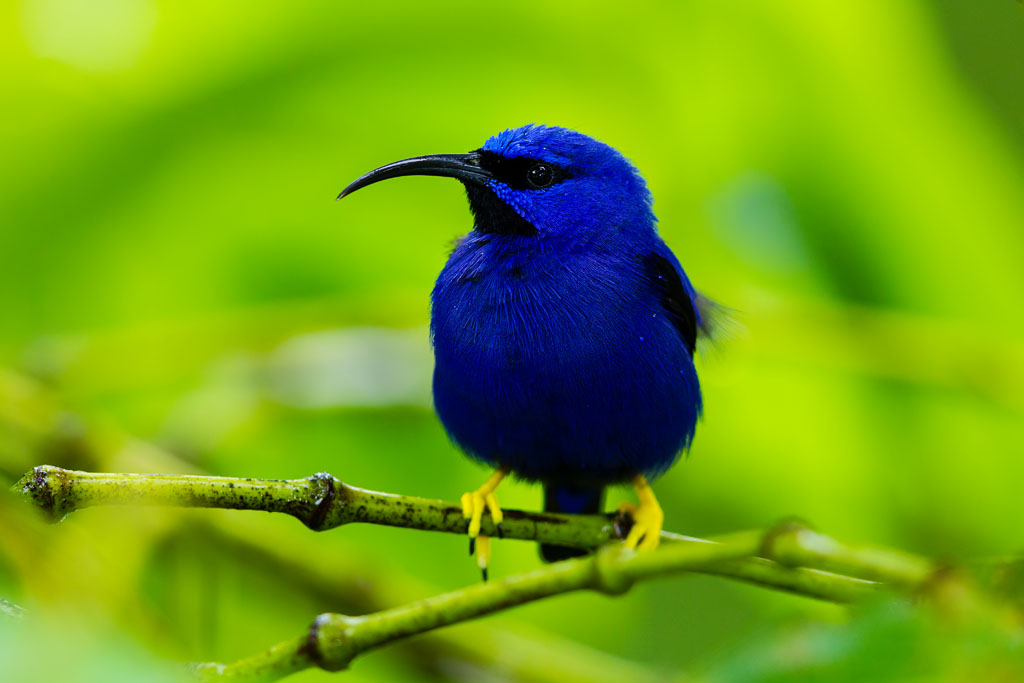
516 308
560 314
559 364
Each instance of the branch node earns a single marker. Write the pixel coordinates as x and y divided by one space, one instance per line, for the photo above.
777 540
45 486
325 493
329 642
607 576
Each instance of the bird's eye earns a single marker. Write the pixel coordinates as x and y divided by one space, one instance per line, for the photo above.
540 176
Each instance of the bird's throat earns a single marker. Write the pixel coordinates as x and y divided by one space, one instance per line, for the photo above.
493 216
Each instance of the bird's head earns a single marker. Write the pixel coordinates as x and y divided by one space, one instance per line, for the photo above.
539 181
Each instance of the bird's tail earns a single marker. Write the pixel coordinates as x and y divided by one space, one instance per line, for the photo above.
569 500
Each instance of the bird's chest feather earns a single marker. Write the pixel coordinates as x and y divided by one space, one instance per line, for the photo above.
499 309
537 316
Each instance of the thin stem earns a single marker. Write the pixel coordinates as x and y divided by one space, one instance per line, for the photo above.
334 640
810 583
794 545
511 652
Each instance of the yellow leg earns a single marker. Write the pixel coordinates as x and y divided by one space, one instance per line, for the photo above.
647 517
473 505
483 555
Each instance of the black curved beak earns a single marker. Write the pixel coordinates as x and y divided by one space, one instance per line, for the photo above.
464 167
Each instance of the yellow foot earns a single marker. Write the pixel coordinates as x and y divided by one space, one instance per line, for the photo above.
647 517
473 506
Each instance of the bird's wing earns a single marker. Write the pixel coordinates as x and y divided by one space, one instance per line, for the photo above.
700 320
677 295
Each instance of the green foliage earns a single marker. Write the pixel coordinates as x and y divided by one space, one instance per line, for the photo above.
887 642
846 175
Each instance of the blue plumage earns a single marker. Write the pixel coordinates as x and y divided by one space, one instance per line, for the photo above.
556 355
563 326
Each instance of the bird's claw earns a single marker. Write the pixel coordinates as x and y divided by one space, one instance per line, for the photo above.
473 505
648 518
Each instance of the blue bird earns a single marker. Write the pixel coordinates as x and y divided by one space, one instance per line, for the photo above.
563 328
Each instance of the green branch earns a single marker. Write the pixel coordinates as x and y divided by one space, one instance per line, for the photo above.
323 502
335 575
334 640
320 502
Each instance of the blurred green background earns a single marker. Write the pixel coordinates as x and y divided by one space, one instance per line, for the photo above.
180 291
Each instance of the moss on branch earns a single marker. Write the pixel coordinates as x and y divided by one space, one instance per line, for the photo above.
323 502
